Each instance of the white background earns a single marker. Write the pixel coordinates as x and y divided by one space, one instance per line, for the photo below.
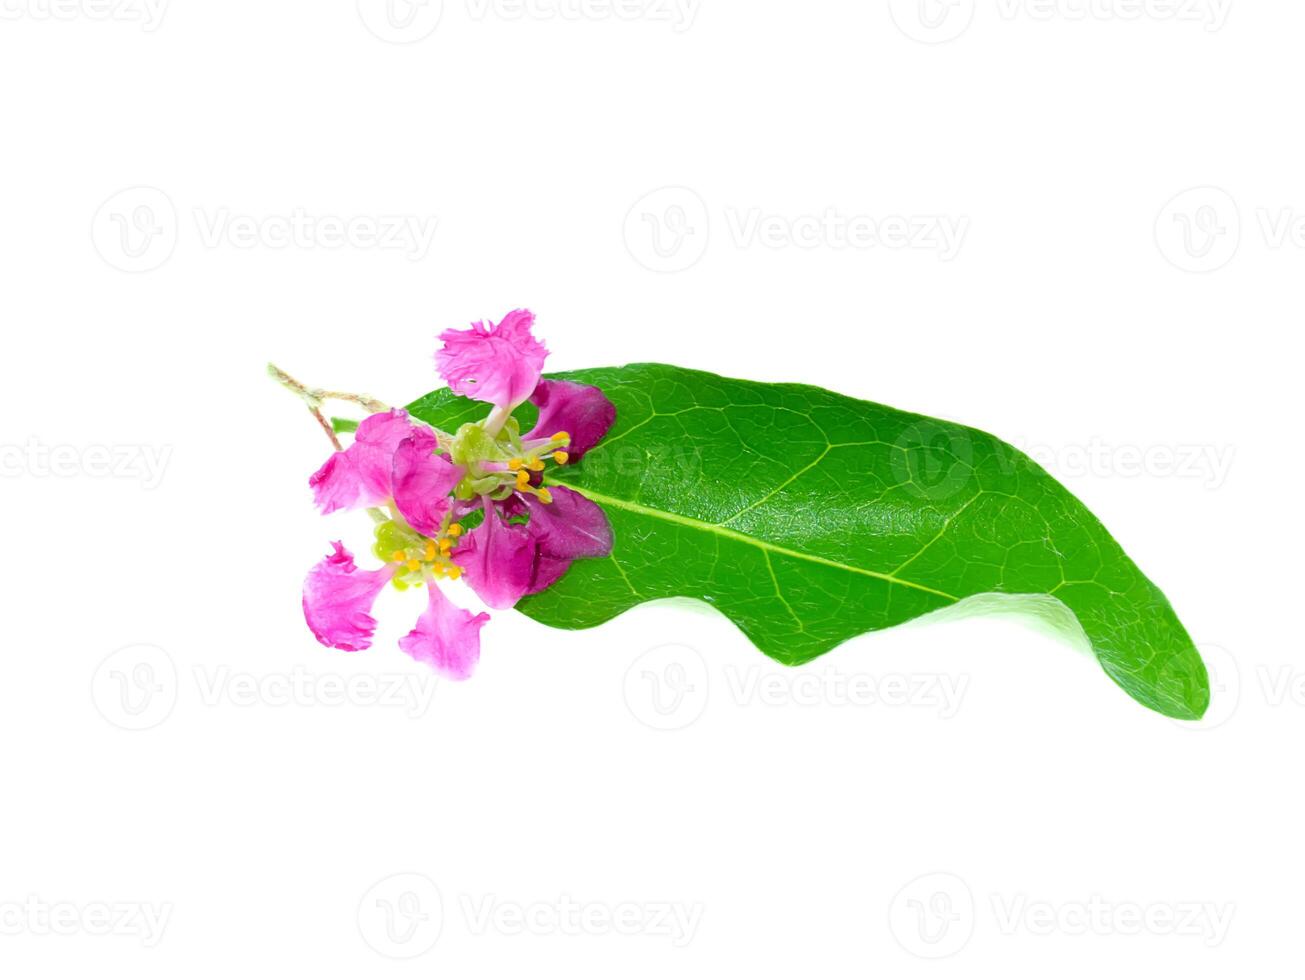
1133 336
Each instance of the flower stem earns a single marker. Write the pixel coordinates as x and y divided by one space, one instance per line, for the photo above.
314 397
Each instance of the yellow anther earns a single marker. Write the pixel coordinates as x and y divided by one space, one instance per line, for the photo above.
560 457
399 555
413 564
514 463
445 545
455 572
438 571
544 496
535 464
455 530
430 550
561 437
523 479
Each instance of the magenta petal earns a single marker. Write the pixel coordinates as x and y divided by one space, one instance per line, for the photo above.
547 571
338 600
446 637
360 475
581 411
499 364
423 482
497 559
571 526
336 485
373 449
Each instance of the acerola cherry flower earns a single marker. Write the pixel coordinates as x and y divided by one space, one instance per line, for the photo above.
425 488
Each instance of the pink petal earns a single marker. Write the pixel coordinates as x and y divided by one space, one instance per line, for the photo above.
446 637
360 475
581 411
497 559
336 485
373 448
499 364
570 527
547 571
423 481
338 600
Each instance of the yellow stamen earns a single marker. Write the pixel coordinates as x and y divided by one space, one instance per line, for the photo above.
445 545
561 437
455 572
399 555
544 496
535 464
413 564
523 479
560 457
455 530
437 571
514 463
430 550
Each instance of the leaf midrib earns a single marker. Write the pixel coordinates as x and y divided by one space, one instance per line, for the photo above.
731 535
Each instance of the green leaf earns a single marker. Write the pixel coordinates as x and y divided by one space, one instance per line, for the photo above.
808 517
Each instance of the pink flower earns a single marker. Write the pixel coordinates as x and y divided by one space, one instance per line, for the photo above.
528 533
422 481
361 475
338 600
446 637
581 411
498 559
499 364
